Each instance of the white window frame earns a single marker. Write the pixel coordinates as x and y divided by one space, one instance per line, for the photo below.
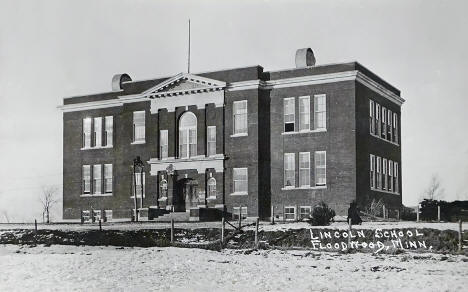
320 181
395 128
97 179
390 173
108 178
383 134
87 129
372 171
286 214
304 114
97 131
384 173
211 188
109 131
377 119
395 177
235 212
238 183
379 173
240 130
163 144
302 214
108 214
288 170
211 140
389 125
288 116
188 146
304 172
86 180
138 185
139 127
320 123
371 116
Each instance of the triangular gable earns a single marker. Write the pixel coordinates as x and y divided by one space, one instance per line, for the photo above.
184 83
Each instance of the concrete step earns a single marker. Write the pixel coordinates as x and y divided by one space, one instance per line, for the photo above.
177 216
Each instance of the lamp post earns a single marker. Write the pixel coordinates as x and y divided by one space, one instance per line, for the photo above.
137 166
170 172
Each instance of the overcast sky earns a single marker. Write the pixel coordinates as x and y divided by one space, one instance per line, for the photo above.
53 49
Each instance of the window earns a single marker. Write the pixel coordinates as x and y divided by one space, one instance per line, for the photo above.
187 135
86 133
320 168
389 125
390 174
235 213
289 114
163 187
304 113
384 123
384 172
86 179
138 184
240 178
240 117
320 117
97 215
304 169
379 171
395 127
97 179
108 214
372 171
139 126
163 144
377 119
211 188
371 117
97 132
109 128
211 140
304 212
290 213
395 176
289 170
108 178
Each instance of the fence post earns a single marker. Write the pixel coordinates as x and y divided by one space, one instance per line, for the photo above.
460 232
222 231
35 226
284 217
438 213
272 214
172 230
417 214
383 210
100 225
240 217
349 233
256 232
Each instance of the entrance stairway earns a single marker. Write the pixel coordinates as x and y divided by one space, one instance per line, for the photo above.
177 216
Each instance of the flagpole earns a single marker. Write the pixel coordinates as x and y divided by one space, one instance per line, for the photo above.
188 61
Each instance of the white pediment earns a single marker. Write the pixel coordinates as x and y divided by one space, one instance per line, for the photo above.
184 83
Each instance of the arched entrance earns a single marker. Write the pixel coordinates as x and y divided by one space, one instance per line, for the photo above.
186 195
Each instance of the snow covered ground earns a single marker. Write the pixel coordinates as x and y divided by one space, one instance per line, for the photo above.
71 268
264 225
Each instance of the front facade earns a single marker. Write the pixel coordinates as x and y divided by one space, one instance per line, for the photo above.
239 140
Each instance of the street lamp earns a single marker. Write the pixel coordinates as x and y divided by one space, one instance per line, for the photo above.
138 166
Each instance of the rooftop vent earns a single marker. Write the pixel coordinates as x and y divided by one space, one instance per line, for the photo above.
305 58
118 79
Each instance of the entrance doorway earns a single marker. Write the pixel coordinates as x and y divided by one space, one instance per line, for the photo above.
186 195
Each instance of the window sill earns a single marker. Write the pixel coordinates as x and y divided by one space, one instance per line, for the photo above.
384 191
211 198
138 142
239 135
97 147
138 197
239 194
96 195
305 132
383 139
304 188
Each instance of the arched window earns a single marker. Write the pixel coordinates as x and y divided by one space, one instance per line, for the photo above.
163 186
212 188
187 135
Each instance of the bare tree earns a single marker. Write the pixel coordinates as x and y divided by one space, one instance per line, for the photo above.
375 208
434 191
48 200
5 215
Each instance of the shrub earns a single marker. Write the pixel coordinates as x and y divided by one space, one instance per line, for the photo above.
408 214
322 215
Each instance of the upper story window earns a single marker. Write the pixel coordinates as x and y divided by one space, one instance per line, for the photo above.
384 123
108 178
240 117
240 180
109 128
377 119
320 112
163 144
304 113
372 171
86 133
139 126
187 135
320 168
395 127
372 116
97 179
289 114
304 169
97 133
211 140
289 170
